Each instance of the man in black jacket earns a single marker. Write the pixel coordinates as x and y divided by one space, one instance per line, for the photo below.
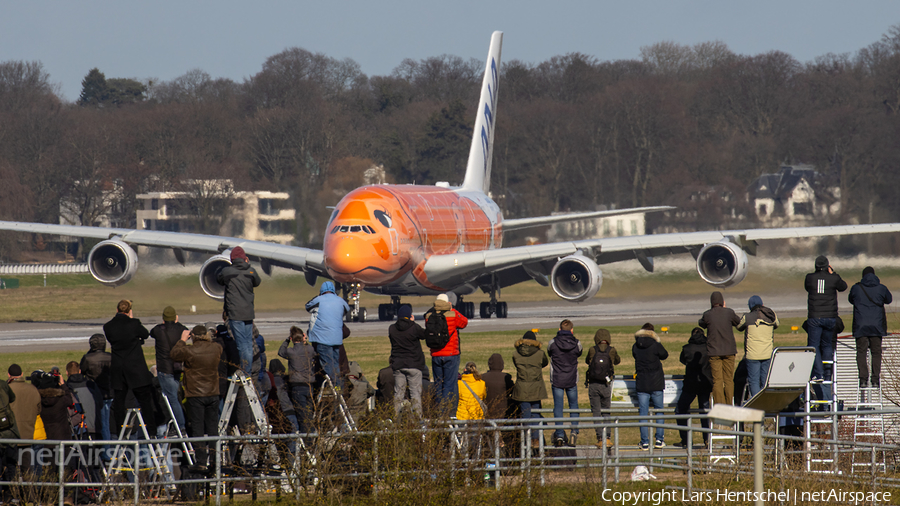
869 323
697 382
822 287
564 350
166 334
128 368
239 280
407 359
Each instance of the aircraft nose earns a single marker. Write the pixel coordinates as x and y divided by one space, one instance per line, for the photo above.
351 259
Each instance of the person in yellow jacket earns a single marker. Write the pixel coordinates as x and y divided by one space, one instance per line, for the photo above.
471 385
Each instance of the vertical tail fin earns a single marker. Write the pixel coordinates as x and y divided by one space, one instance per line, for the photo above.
478 169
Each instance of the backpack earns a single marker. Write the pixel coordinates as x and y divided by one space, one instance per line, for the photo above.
600 369
437 335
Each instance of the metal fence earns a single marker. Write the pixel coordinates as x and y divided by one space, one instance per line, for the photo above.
490 450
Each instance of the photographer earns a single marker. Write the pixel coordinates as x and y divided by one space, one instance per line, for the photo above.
128 369
201 385
166 335
301 365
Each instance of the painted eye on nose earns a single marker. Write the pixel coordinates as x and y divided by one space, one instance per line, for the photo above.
383 217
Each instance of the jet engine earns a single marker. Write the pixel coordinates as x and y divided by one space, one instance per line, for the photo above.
576 278
112 262
722 264
209 272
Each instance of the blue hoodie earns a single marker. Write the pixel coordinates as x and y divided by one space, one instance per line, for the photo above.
328 309
868 298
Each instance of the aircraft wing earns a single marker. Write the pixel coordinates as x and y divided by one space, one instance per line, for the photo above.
520 223
291 257
539 259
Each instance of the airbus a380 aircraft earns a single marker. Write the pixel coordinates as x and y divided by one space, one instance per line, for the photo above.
423 240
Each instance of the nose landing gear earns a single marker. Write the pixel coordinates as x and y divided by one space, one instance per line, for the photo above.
351 295
387 312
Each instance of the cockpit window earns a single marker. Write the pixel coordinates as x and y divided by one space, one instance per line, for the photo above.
335 229
368 229
355 228
345 228
383 217
333 215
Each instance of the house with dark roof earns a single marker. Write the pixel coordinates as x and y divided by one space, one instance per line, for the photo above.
797 195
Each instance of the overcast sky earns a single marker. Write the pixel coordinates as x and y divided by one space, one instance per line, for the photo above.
164 39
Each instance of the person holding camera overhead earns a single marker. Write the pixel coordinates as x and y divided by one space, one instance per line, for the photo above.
301 359
128 369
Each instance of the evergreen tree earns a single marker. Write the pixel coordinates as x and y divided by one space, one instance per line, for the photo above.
94 90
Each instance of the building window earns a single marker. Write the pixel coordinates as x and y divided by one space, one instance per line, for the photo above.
270 207
277 227
634 230
763 210
620 228
606 228
154 204
237 228
802 209
147 225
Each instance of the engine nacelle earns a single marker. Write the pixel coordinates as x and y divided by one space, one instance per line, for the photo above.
209 273
112 262
576 278
722 264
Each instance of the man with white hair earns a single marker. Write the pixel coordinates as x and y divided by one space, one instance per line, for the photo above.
445 359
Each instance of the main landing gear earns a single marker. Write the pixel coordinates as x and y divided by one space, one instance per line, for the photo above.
387 312
351 295
486 309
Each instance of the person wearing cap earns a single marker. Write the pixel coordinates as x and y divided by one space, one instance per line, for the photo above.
721 346
326 330
822 313
26 407
529 389
599 391
758 327
239 280
869 324
445 361
407 359
128 369
201 385
166 334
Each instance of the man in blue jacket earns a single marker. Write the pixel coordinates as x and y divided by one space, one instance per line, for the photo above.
326 329
564 350
869 323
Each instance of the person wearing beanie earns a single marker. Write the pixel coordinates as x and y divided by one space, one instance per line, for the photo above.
564 350
239 280
166 334
758 327
201 386
650 381
407 360
529 389
869 297
128 368
326 329
721 346
822 287
600 388
445 361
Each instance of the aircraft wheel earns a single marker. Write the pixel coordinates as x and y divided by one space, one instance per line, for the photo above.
501 310
348 317
470 310
485 310
361 317
382 312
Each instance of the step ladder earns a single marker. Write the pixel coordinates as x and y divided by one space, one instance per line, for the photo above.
723 447
868 428
121 462
185 445
240 382
821 457
328 391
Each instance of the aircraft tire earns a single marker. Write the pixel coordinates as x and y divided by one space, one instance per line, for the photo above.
485 310
501 310
382 312
363 314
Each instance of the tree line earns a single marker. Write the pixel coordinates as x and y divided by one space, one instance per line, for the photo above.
573 132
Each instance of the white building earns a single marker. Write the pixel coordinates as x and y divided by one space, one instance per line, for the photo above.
616 226
257 216
795 196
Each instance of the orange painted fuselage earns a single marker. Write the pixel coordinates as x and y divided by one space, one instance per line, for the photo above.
381 235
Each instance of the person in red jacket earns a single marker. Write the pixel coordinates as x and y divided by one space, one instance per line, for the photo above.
445 361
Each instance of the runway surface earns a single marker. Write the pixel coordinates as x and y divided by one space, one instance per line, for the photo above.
73 335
